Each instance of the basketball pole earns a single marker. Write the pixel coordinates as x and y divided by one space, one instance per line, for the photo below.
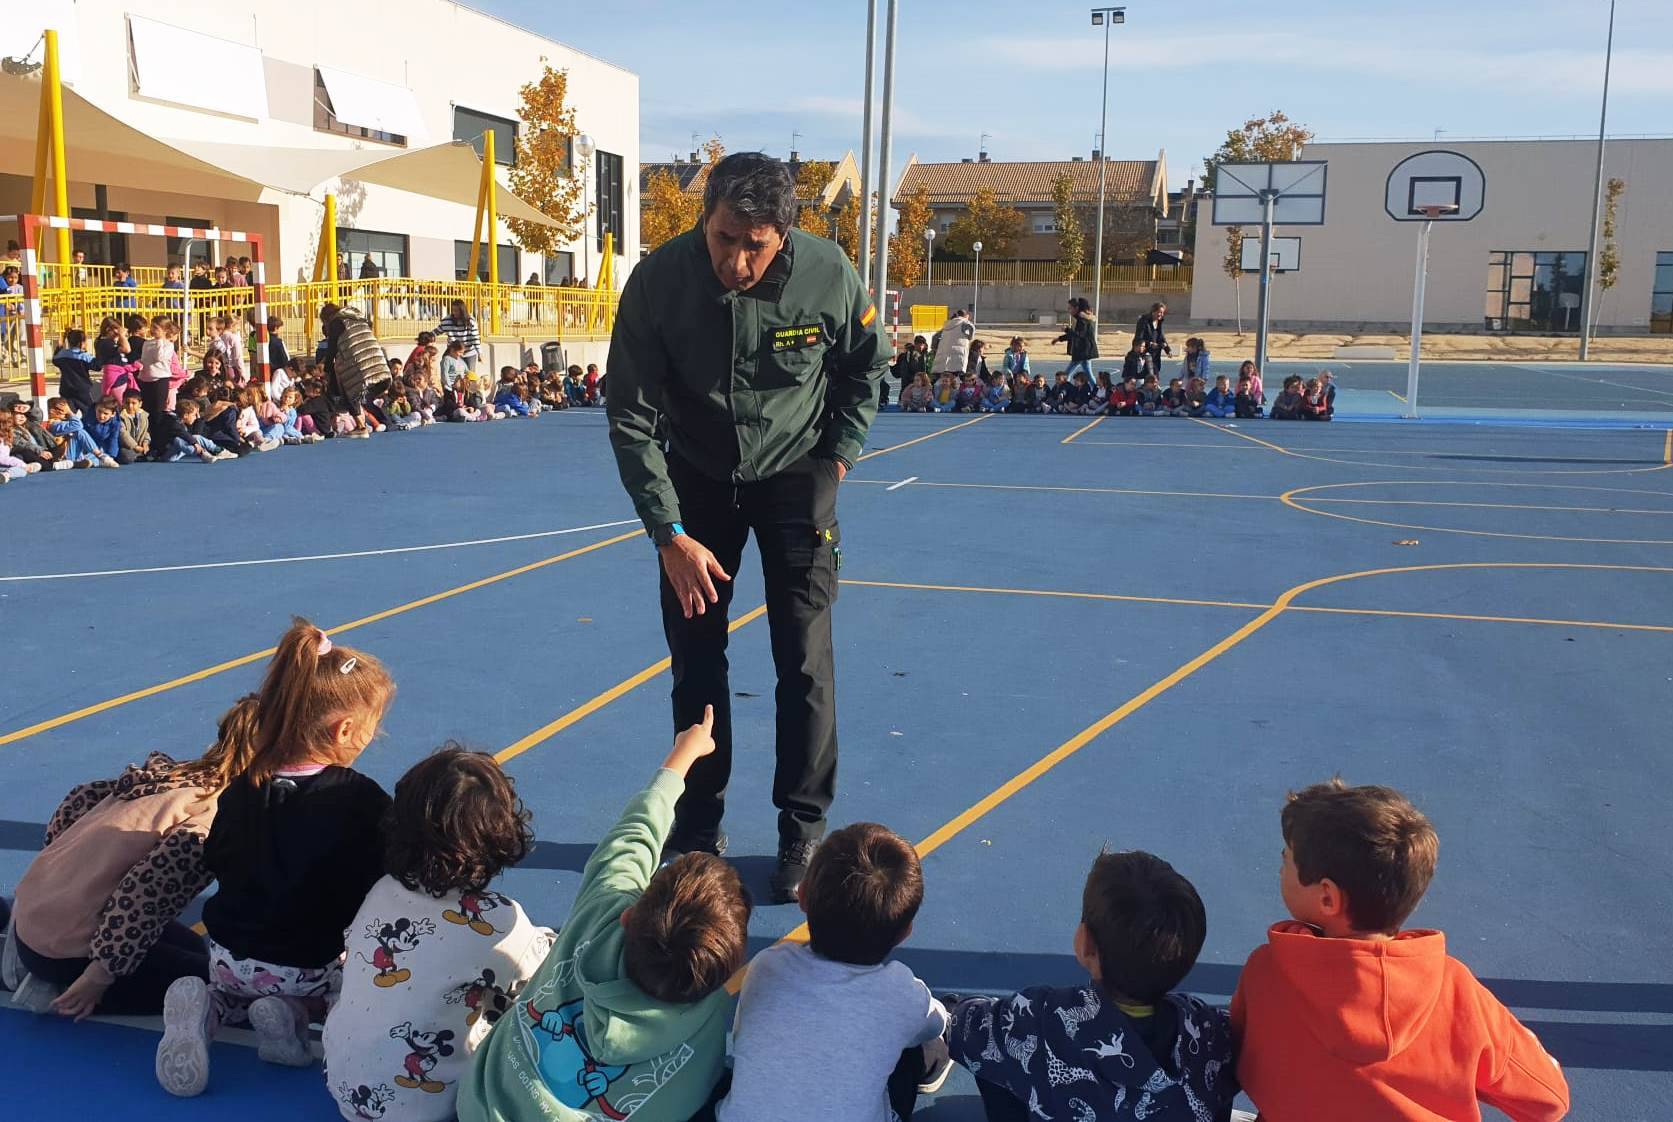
1267 198
1419 281
886 120
865 142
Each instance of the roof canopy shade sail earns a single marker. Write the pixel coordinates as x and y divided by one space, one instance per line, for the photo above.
101 147
168 66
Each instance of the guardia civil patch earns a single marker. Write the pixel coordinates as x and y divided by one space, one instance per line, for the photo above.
797 337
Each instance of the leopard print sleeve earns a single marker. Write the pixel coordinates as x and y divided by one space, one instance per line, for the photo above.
78 802
151 896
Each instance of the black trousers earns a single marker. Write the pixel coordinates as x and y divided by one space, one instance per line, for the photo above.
793 517
180 953
153 398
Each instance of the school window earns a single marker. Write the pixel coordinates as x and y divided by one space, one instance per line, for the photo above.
177 246
555 268
508 263
1045 225
472 126
325 118
387 251
1661 296
1529 291
609 198
101 249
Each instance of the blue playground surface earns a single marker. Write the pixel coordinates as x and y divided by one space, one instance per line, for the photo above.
1054 634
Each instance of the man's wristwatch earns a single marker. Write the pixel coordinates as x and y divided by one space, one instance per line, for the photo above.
666 533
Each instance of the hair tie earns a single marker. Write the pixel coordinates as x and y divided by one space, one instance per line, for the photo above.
324 644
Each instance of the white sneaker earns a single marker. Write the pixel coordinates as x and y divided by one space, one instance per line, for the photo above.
107 462
60 465
281 1032
11 966
35 995
267 445
314 438
183 1053
224 454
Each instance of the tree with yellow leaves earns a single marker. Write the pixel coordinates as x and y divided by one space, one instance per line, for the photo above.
848 229
666 210
812 178
996 225
906 244
543 173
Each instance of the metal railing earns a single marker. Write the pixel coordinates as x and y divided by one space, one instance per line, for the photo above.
92 276
1117 278
398 307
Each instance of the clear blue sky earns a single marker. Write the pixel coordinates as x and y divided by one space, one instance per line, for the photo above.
1181 73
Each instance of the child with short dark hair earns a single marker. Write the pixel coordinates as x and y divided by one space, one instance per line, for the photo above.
297 843
1220 401
135 434
106 430
1124 398
1247 404
1126 1047
75 379
862 891
1174 402
1287 405
435 956
173 439
628 1014
1343 1014
1150 398
75 445
508 401
1136 364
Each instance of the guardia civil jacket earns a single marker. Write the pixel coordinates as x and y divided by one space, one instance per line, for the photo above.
740 385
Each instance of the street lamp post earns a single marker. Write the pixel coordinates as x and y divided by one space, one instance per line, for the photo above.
976 296
1105 18
584 152
1588 308
929 256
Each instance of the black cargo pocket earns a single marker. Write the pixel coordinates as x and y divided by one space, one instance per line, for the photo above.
809 559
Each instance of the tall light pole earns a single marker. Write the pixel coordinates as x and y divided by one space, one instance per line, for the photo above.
865 147
1587 305
929 256
583 151
880 241
1105 18
976 295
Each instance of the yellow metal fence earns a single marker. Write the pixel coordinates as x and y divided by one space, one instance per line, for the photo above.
1117 278
399 308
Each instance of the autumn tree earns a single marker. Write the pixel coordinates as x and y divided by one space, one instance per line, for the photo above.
713 150
906 244
1071 239
998 226
848 228
543 173
665 210
1260 140
1609 257
812 178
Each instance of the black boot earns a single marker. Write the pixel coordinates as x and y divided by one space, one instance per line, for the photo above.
793 859
679 844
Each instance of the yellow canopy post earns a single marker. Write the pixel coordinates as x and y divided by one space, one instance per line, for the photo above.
49 148
493 232
328 245
476 229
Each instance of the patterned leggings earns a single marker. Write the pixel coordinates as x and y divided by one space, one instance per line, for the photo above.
236 982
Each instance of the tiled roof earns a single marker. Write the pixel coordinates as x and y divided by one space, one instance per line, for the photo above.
690 176
1124 180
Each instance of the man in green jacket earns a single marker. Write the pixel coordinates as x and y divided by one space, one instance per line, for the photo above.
743 379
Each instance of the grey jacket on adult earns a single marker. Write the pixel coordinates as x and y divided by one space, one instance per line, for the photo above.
952 346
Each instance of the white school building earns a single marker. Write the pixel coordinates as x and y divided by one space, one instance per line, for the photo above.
1518 267
221 112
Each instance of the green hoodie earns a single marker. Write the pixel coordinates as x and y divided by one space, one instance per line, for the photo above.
584 1042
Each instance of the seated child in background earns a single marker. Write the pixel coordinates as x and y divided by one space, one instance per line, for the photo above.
250 400
1150 397
1127 1043
135 435
1220 401
594 385
31 443
435 957
11 466
1124 398
226 344
1079 395
220 421
1101 391
75 380
969 395
572 386
75 446
296 844
633 991
1057 396
507 396
919 396
1247 403
453 368
1256 386
1312 402
96 916
1173 399
399 408
861 893
173 438
1196 396
106 430
1327 392
1344 1015
1287 407
270 416
997 396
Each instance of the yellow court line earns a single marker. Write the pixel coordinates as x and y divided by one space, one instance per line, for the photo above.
1400 397
1246 436
928 436
1667 450
1070 439
1051 593
587 708
245 660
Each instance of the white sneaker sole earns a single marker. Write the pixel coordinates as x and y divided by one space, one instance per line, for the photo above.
183 1053
278 1037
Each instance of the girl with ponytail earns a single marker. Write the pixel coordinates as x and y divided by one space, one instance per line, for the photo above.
296 843
96 912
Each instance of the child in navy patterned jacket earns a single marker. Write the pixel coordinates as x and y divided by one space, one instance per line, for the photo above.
1124 1047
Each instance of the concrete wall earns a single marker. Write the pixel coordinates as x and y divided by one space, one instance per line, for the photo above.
1022 303
446 53
1356 270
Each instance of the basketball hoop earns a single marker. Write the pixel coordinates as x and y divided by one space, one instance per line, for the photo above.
1433 212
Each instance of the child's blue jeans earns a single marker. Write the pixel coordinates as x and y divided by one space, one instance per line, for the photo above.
185 447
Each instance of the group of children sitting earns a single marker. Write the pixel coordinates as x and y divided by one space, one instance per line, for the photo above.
379 918
1139 392
132 398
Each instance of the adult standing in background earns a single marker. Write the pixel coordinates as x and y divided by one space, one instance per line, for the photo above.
1082 337
369 269
1153 337
743 380
952 345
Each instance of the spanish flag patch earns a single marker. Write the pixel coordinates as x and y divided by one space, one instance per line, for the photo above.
869 316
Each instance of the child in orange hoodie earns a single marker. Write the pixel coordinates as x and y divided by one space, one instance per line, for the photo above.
1344 1015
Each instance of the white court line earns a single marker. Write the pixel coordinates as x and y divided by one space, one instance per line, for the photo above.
902 483
322 556
1596 381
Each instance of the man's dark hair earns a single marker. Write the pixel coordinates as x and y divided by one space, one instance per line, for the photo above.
688 931
757 187
862 892
75 337
1378 848
455 823
1146 921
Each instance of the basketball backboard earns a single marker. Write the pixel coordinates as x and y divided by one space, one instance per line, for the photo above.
1439 185
1284 258
1296 188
